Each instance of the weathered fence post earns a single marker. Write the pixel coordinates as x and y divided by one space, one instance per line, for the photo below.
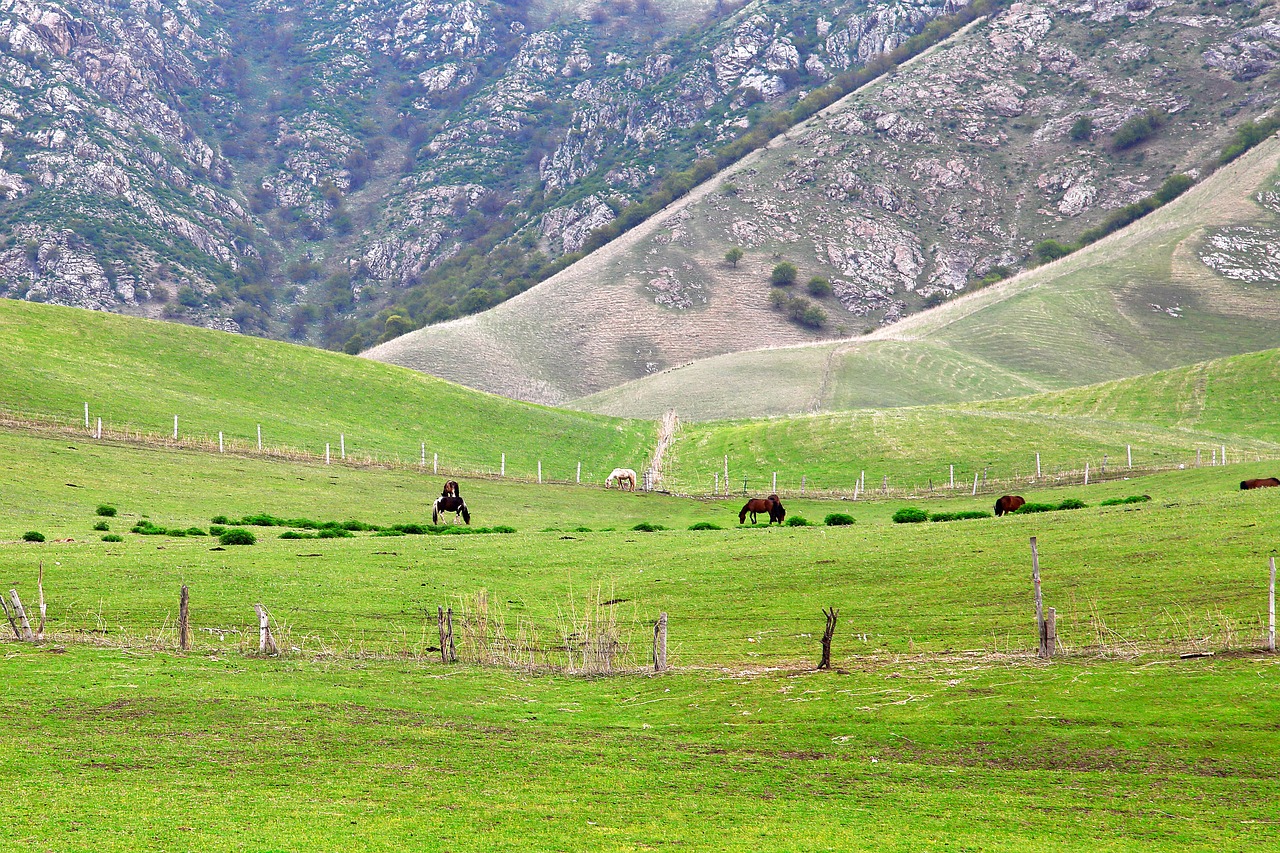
444 647
342 446
259 438
802 479
1128 449
1213 457
975 483
726 476
884 488
86 415
266 642
326 453
715 488
21 614
1223 455
502 471
953 478
220 441
1049 641
578 478
99 434
539 472
744 487
1271 609
1086 473
660 643
1104 465
435 463
1035 578
40 591
827 634
1197 457
448 629
4 605
175 427
1037 465
184 620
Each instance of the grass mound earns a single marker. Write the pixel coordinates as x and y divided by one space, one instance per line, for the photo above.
910 515
705 525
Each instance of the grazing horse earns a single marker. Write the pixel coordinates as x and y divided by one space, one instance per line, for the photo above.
624 477
771 505
1006 504
1263 483
451 490
450 503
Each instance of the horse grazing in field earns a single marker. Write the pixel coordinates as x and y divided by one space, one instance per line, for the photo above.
624 477
450 503
1006 504
451 490
771 505
1262 483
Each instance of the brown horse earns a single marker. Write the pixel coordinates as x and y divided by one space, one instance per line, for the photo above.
771 505
1262 483
1006 504
451 490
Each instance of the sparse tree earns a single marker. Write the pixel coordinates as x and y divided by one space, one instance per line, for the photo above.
733 256
783 275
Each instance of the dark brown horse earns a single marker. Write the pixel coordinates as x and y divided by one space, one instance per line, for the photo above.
451 504
1262 483
1006 504
771 505
451 490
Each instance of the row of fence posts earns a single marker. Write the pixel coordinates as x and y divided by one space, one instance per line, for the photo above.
1046 622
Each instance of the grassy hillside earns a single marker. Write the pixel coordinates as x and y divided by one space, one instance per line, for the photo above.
935 713
1139 301
137 374
918 187
1163 419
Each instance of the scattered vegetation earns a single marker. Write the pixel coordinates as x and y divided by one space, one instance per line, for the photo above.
959 516
798 309
1138 129
910 515
837 519
705 525
1032 508
1132 499
819 287
113 537
732 257
238 536
102 525
648 527
106 510
783 275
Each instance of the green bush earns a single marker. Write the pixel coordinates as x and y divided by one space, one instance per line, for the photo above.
1082 130
146 528
819 287
379 533
195 531
238 536
783 275
1132 499
1138 129
216 530
582 530
106 509
220 519
1050 250
797 521
502 528
705 525
959 516
102 525
910 515
414 528
33 536
838 519
1030 509
293 534
334 533
1072 503
113 537
647 527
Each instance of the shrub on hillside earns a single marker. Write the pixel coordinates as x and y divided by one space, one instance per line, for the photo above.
819 287
238 536
1030 509
837 519
1132 499
113 537
106 510
1138 129
195 531
1072 503
797 521
963 515
705 525
33 536
146 528
1050 250
502 528
102 525
647 527
910 515
1082 129
783 275
220 519
216 530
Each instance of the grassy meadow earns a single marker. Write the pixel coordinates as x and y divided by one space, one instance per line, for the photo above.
937 727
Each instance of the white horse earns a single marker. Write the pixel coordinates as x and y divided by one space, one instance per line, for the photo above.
624 477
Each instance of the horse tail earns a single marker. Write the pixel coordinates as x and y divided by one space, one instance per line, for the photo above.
435 513
466 514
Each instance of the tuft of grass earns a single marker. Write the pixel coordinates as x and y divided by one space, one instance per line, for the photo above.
238 536
1132 499
106 509
648 527
838 519
705 525
910 515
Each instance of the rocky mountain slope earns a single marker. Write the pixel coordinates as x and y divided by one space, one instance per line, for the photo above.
342 172
1038 124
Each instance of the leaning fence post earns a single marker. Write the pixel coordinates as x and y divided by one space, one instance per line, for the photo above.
660 643
17 635
1035 578
22 617
975 483
827 634
184 621
448 627
266 642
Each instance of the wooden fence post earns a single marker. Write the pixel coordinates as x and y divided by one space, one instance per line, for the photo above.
1035 578
774 490
342 446
1223 455
184 620
86 415
715 488
660 643
259 438
1197 457
975 483
1271 609
220 441
884 488
444 647
27 636
435 462
175 427
539 472
502 472
40 590
17 635
802 479
953 478
1086 473
448 628
726 476
266 642
827 634
1037 465
1128 449
1049 642
99 434
578 479
326 453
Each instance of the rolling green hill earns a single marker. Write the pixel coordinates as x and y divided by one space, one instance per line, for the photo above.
1141 300
138 374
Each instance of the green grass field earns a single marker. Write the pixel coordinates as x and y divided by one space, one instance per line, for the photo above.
137 375
937 728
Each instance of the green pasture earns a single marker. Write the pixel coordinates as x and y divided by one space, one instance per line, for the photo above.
138 374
